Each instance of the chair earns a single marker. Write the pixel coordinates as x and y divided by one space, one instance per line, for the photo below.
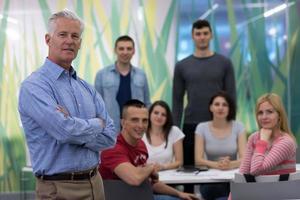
266 187
298 155
117 190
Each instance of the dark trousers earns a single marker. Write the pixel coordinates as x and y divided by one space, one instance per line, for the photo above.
189 144
212 191
189 149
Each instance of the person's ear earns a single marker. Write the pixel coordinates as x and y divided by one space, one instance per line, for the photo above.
122 122
279 122
210 108
115 49
192 34
80 43
47 38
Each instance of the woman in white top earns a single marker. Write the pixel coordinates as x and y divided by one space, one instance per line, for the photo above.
162 139
219 143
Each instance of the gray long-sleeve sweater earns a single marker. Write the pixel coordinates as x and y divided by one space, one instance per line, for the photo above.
200 78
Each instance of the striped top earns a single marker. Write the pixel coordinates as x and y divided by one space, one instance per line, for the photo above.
263 158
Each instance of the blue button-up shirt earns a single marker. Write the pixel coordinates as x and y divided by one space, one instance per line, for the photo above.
58 142
107 84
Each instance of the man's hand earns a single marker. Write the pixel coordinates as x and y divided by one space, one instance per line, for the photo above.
154 177
102 122
62 110
66 114
187 196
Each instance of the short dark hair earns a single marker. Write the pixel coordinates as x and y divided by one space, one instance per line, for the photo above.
124 38
201 23
231 104
169 120
132 103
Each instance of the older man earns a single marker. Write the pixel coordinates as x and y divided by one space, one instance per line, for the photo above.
64 119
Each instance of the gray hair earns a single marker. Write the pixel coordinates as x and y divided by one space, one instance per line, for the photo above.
65 13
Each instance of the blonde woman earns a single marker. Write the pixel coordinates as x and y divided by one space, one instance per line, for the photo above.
272 149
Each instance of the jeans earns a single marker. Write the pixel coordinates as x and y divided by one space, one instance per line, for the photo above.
164 197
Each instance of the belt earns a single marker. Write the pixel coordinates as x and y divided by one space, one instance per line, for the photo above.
85 175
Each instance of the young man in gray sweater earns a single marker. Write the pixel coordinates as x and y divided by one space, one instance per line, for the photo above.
201 75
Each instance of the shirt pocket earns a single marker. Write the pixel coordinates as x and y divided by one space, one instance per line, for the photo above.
138 87
139 81
109 81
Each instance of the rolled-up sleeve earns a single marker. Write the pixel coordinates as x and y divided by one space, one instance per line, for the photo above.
107 137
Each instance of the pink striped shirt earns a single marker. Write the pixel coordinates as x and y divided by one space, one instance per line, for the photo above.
262 158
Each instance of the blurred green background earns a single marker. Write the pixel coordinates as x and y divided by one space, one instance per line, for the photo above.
265 51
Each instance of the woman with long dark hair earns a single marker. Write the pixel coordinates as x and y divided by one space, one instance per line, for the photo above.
163 140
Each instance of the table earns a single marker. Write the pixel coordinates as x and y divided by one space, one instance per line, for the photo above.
173 177
210 176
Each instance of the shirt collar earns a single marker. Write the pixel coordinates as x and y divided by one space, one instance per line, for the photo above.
73 73
55 71
114 68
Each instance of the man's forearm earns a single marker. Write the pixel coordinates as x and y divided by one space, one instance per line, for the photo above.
162 188
137 175
104 140
144 172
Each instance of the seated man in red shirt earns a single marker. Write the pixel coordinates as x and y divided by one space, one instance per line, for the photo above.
127 160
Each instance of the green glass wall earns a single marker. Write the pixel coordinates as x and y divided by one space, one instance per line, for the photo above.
262 39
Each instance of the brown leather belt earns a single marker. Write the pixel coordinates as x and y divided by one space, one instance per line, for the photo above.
70 176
